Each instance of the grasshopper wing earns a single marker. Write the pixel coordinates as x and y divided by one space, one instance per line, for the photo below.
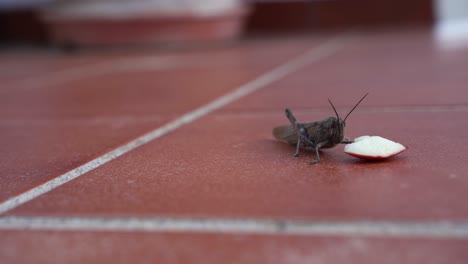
289 134
285 133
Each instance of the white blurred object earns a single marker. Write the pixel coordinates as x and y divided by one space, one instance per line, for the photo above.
126 8
451 31
130 22
452 35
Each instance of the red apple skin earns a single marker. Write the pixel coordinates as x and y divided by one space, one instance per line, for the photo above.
375 157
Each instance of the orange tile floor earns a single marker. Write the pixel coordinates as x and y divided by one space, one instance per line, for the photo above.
168 157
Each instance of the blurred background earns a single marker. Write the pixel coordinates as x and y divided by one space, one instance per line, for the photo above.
80 23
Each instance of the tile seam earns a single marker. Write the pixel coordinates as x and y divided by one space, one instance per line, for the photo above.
432 230
312 55
362 109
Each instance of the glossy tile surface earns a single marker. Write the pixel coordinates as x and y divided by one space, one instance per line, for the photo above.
396 71
34 151
19 64
62 110
109 247
229 165
138 85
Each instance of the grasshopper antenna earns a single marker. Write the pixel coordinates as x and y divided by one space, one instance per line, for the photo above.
334 109
355 106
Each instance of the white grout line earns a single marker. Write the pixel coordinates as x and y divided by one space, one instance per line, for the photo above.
313 55
397 109
366 109
433 230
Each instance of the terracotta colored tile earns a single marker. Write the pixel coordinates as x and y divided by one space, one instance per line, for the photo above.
17 65
229 165
398 70
110 247
20 64
61 111
34 151
162 84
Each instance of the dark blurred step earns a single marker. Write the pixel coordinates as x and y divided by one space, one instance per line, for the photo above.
272 16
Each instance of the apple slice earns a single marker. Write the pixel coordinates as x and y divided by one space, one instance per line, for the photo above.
373 148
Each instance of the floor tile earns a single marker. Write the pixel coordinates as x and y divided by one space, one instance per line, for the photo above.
33 152
57 117
395 71
110 247
17 65
61 111
229 165
159 84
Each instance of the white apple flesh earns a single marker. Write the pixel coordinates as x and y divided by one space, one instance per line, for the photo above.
373 148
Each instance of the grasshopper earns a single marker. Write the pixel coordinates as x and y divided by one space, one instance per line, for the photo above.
325 133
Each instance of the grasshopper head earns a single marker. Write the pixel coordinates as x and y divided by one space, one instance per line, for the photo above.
339 123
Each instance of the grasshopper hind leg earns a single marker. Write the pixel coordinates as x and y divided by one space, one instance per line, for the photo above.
298 146
302 135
